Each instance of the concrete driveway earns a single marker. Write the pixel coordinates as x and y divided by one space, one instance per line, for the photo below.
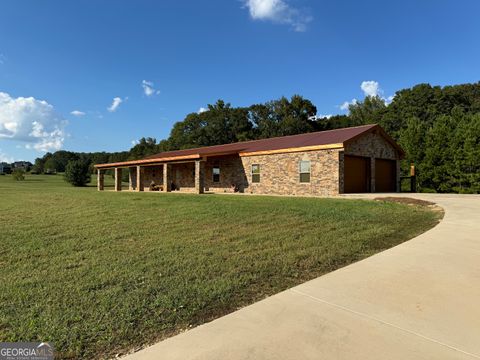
419 300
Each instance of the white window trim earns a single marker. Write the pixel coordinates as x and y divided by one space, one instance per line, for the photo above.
300 172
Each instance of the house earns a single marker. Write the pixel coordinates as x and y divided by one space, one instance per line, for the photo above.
23 165
5 168
349 160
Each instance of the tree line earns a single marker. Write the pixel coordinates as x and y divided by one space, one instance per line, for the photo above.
439 128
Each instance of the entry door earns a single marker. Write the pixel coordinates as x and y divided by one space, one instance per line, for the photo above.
385 175
356 174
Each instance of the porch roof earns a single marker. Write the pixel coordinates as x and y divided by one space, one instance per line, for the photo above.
320 140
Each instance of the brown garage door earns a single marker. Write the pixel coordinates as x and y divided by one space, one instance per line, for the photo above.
356 174
385 175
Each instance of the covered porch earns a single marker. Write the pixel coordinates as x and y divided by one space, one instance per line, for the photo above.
184 175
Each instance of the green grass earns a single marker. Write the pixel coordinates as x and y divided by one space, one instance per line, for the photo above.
98 273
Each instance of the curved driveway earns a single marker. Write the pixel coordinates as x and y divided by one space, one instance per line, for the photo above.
418 300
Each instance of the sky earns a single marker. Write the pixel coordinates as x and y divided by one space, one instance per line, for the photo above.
99 75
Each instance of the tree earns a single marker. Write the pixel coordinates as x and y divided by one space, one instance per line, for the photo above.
62 158
146 146
18 175
412 140
282 117
368 111
77 173
220 124
437 167
50 166
38 166
465 147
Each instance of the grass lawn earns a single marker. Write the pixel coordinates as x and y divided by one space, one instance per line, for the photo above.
101 273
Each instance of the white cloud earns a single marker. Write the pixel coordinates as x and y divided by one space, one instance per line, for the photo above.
134 142
322 116
149 89
31 120
115 104
77 113
347 104
2 59
202 110
278 11
371 88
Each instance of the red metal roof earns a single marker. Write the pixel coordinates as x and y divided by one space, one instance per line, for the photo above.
329 137
284 142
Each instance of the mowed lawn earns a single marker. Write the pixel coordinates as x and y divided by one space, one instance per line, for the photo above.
101 273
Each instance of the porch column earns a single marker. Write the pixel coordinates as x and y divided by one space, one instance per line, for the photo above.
139 179
372 174
398 187
118 179
100 181
167 173
199 176
131 179
341 172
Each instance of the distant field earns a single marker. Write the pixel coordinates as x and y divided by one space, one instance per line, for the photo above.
99 273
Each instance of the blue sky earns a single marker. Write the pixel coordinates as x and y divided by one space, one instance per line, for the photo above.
161 60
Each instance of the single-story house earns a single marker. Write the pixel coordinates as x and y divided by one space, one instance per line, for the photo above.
349 160
5 168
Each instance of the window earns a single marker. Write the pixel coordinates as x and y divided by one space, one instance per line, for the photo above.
255 173
216 173
304 169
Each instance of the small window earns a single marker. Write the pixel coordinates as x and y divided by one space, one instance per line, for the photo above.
216 173
255 173
304 169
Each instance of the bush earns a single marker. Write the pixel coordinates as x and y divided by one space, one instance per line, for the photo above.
18 175
77 173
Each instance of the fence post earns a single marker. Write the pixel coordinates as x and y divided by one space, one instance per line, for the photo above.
413 179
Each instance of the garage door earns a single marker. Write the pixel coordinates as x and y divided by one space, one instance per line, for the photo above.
385 175
356 174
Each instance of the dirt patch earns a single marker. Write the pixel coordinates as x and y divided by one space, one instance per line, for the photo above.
413 202
405 200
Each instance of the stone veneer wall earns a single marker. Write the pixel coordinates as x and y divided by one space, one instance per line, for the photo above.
231 173
152 173
372 145
183 176
279 173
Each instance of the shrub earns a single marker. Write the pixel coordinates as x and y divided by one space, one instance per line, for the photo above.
77 173
18 175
